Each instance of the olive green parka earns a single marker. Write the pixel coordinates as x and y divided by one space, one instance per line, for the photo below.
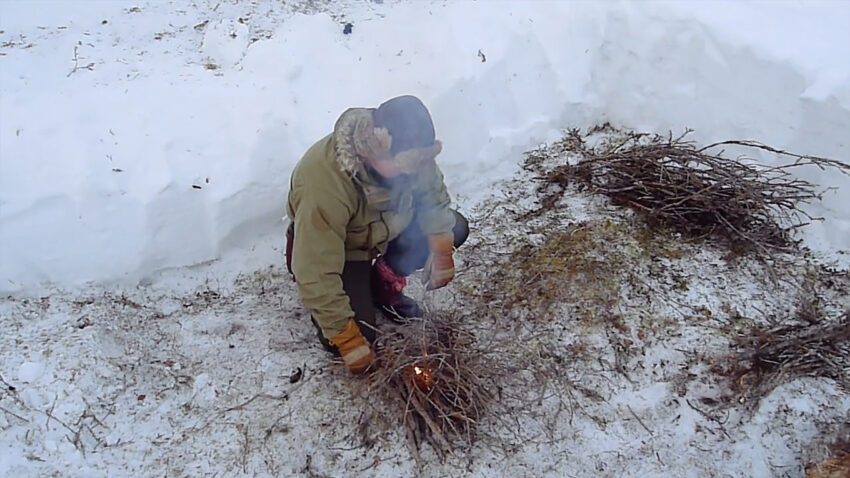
343 212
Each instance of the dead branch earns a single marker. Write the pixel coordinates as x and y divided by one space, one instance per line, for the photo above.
765 357
77 66
640 421
5 410
244 404
670 181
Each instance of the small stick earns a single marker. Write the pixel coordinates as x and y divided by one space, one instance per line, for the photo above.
639 420
5 410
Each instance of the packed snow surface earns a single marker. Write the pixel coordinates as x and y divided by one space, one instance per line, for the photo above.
146 147
137 137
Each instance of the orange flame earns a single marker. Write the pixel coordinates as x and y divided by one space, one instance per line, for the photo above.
422 376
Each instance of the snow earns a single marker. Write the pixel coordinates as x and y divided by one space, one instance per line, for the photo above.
175 148
30 371
142 186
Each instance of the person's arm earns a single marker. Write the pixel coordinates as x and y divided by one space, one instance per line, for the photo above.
432 201
436 220
321 216
318 254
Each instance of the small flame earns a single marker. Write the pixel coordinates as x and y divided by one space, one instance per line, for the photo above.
422 376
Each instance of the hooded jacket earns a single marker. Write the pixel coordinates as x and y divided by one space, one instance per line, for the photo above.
343 211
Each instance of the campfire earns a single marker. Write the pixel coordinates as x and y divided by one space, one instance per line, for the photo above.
419 376
429 368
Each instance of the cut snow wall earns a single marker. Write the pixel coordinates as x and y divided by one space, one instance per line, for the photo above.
153 161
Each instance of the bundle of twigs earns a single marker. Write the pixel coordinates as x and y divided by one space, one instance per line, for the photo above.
700 194
431 369
837 466
767 357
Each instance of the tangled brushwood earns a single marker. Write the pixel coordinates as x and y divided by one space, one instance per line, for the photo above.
673 182
837 465
432 369
767 357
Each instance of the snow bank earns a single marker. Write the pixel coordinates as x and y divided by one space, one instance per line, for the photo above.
171 143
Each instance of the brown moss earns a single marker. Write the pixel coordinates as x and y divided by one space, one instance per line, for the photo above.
583 265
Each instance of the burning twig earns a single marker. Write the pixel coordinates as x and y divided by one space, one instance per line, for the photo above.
430 368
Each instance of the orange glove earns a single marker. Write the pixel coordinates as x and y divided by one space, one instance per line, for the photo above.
354 348
441 265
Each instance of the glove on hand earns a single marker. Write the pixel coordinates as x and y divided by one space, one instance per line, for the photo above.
354 348
386 284
440 266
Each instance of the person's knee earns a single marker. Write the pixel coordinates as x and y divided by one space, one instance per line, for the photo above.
461 229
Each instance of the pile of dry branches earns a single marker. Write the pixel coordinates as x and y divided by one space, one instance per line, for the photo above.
767 357
432 369
837 466
675 183
837 463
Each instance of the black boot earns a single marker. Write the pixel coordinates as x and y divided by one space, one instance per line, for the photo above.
400 309
322 340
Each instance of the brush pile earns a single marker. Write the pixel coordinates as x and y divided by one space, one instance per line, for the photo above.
767 357
433 370
674 183
836 466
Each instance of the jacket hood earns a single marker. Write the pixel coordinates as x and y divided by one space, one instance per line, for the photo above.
354 133
357 137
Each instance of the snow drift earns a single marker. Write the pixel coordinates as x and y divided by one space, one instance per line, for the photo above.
129 146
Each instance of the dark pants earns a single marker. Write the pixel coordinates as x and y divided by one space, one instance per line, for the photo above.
405 254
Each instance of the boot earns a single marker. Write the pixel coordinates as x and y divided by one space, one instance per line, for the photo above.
322 340
401 309
386 293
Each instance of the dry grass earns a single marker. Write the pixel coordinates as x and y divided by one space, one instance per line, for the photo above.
557 269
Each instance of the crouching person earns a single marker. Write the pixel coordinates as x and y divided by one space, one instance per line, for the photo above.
367 207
